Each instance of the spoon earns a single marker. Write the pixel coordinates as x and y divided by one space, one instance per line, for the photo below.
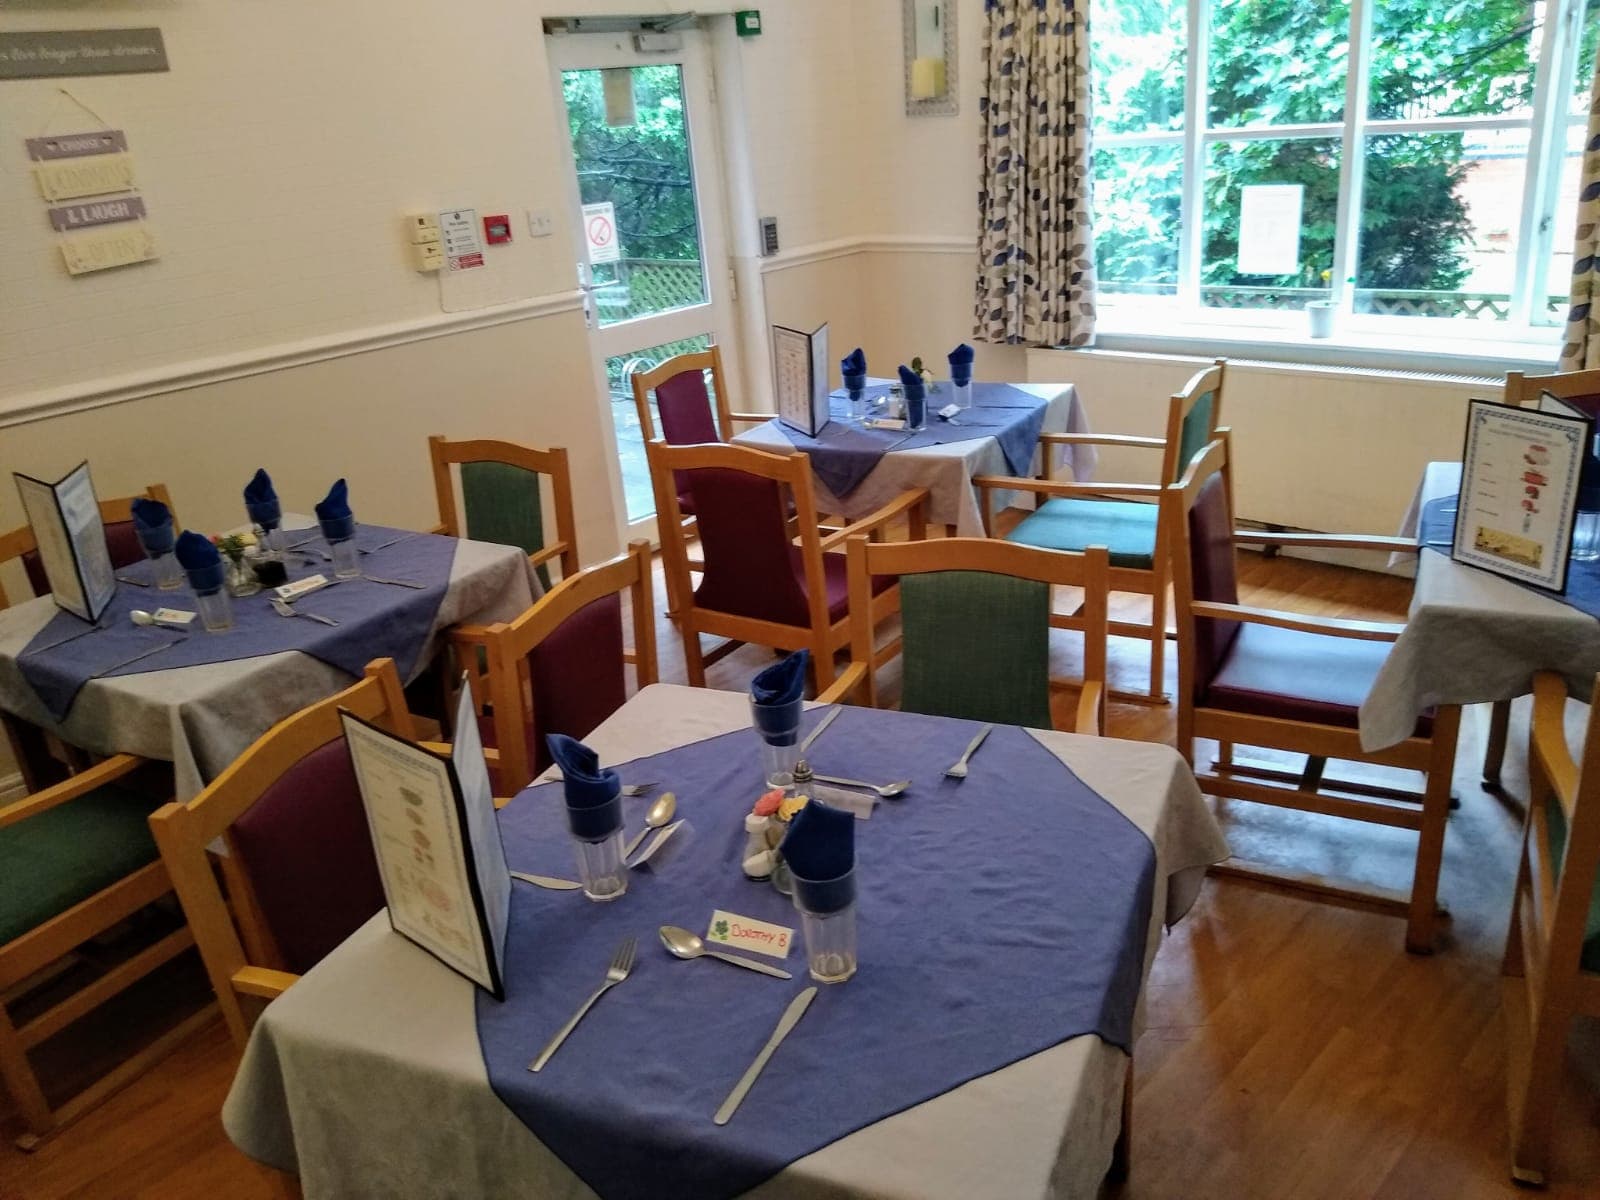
658 814
887 790
140 617
680 943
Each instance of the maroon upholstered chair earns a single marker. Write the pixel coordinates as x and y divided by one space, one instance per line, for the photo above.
561 667
117 517
1259 677
756 585
299 867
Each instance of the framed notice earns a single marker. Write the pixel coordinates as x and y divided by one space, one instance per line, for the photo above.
438 845
65 517
1519 491
800 370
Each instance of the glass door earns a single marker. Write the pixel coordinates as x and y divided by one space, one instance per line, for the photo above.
645 184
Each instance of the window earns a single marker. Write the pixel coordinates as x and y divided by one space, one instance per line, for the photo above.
1401 158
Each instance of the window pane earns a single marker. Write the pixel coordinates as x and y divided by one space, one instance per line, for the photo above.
1138 56
1278 62
1454 59
1439 224
1138 200
1583 70
1558 283
637 157
1312 164
620 370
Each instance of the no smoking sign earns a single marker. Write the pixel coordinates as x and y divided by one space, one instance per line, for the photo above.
600 232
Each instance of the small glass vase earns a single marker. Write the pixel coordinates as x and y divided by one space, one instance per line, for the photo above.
242 579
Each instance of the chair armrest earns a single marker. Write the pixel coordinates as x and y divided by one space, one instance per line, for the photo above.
1052 487
750 418
468 635
553 550
1328 541
438 529
902 503
263 982
1365 631
1103 439
71 788
854 675
1088 720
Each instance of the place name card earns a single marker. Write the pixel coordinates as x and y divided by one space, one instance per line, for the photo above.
747 933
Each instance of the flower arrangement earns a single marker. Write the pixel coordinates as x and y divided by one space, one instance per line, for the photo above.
234 546
927 375
765 826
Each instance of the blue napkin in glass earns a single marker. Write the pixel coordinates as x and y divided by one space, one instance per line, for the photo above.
916 395
776 695
820 849
261 501
594 793
334 515
961 364
201 561
152 525
853 369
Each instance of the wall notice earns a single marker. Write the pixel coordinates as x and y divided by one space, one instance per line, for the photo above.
1269 228
60 52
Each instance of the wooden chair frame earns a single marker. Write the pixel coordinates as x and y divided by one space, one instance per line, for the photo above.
1089 571
24 956
645 382
551 463
21 541
242 960
1545 985
1153 582
1426 813
822 637
506 646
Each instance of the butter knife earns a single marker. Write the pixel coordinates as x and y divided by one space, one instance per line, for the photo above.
656 843
791 1018
547 881
817 732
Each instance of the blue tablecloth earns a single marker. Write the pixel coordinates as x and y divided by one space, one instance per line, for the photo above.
998 917
842 455
1436 530
376 620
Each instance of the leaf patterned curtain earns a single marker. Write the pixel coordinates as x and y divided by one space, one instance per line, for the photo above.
1580 350
1036 279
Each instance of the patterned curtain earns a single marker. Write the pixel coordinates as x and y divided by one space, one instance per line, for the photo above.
1036 280
1580 350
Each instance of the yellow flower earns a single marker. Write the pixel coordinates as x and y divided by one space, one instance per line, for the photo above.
791 806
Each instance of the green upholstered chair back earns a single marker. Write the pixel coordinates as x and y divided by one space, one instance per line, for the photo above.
502 504
976 646
1194 434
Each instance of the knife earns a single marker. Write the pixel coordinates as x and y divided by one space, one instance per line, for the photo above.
817 732
656 843
791 1018
547 881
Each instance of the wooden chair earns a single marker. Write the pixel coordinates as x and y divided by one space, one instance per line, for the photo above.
299 867
1294 683
502 499
1125 517
1552 959
560 666
756 585
76 860
975 628
116 515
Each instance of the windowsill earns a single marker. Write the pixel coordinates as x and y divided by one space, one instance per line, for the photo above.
1394 343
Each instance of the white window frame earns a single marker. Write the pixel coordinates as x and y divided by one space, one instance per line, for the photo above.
1527 325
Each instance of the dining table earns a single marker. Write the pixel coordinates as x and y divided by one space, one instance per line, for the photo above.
946 1067
997 435
1471 636
198 699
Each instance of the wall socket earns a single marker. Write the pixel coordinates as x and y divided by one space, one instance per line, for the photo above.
541 222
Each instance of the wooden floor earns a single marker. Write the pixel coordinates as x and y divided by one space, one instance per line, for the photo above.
1292 1048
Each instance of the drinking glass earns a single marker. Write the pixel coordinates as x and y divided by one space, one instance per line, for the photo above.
779 727
600 867
961 392
346 558
157 545
216 610
830 937
1586 537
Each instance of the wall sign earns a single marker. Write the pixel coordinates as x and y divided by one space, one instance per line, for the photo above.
459 230
77 145
58 52
600 233
98 212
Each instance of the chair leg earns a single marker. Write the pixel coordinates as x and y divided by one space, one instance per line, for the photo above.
1534 1109
693 661
1121 1150
1494 749
1430 836
1512 962
1158 642
17 1074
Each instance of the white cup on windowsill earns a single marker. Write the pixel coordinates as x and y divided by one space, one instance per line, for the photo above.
1321 314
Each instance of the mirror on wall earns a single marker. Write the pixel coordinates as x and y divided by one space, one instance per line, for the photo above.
930 51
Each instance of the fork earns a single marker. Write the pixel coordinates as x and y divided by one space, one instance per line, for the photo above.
959 771
284 609
621 964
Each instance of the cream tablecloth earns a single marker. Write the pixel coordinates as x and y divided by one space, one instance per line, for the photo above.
947 470
367 1079
201 718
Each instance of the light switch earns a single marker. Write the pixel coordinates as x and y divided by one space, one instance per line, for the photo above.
541 222
422 228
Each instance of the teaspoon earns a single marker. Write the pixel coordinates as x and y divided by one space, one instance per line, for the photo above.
658 814
681 943
887 790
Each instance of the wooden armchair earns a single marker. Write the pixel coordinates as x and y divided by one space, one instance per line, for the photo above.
756 584
75 860
560 666
503 501
1124 517
1552 959
1260 677
299 869
975 620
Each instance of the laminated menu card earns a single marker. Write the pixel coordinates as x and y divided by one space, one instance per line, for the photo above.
1519 490
800 377
65 517
437 841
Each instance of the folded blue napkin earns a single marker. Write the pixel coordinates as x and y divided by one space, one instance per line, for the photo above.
916 396
152 525
201 561
853 367
594 793
820 849
776 695
334 515
961 364
261 500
